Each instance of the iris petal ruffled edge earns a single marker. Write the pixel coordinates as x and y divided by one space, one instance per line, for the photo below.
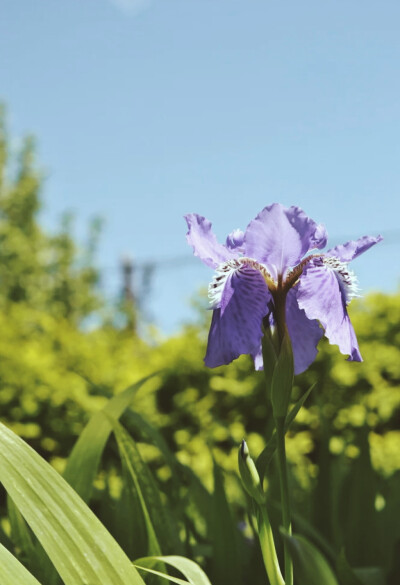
281 236
320 296
204 242
350 250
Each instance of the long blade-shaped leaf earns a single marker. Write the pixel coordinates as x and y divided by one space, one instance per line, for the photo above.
266 455
191 570
84 460
21 536
310 567
162 575
12 572
158 521
154 437
226 552
82 550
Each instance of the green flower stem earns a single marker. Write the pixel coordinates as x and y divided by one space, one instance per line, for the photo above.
268 548
285 500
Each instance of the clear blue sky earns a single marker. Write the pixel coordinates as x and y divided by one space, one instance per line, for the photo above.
146 110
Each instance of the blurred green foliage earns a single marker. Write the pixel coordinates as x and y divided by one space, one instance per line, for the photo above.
56 370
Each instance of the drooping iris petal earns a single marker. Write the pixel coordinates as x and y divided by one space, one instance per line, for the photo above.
352 249
320 295
204 242
236 326
304 333
279 237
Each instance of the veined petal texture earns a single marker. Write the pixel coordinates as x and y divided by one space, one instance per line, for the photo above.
280 236
304 333
236 326
321 296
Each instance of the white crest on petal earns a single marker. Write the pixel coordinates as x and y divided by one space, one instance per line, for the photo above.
225 270
217 285
347 279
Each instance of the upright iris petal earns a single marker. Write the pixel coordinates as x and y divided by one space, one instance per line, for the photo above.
280 237
273 272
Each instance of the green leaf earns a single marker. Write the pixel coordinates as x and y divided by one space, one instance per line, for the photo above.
269 358
360 520
30 551
310 567
85 457
154 436
162 531
266 455
82 550
345 573
163 575
226 552
312 534
191 570
370 575
12 572
282 379
127 522
249 474
20 535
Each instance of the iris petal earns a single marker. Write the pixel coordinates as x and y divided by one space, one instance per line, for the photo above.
204 242
352 249
236 326
280 236
304 333
320 295
234 240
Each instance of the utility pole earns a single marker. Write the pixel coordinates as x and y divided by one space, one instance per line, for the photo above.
128 297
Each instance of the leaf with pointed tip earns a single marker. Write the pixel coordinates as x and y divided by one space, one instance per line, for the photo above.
77 543
224 536
161 526
191 570
84 460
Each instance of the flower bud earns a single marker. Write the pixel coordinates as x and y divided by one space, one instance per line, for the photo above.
249 474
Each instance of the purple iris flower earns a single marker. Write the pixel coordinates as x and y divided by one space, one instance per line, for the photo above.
274 266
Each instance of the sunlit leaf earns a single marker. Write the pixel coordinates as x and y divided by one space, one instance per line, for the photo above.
191 570
140 476
82 550
83 463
